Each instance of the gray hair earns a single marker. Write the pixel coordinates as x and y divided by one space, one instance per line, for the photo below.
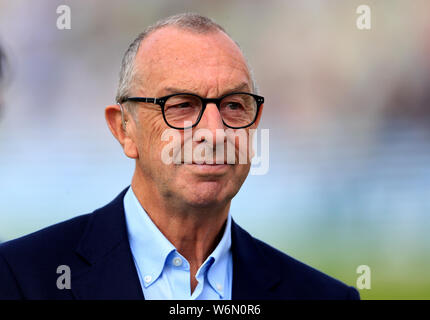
188 21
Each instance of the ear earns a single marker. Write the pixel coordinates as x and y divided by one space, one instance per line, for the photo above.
124 135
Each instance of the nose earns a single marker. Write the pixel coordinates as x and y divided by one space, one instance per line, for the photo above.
211 119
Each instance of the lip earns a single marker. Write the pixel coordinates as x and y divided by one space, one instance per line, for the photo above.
209 164
208 168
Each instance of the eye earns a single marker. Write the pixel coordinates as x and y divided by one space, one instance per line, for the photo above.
180 105
182 102
233 105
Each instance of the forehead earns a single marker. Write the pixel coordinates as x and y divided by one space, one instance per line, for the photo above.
202 63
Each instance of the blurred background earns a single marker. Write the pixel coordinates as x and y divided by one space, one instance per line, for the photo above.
348 112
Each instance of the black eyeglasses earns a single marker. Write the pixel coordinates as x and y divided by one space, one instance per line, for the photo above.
238 110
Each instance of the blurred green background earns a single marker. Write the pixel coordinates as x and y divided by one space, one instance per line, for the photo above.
348 112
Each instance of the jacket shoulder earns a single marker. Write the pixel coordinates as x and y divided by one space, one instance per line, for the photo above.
29 263
59 236
302 281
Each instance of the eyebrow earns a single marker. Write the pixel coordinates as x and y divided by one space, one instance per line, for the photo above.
239 88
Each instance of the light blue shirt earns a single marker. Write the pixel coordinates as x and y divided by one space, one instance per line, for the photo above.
163 272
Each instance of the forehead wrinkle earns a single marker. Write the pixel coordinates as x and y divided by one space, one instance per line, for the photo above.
177 89
215 80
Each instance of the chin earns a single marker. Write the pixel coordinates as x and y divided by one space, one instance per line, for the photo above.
208 194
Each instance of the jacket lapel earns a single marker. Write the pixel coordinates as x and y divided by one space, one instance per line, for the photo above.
110 272
254 275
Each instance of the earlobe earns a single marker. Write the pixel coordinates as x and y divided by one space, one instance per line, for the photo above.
130 148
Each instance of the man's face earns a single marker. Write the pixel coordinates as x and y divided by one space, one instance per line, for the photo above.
210 65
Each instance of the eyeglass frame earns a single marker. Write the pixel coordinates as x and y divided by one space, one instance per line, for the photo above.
162 100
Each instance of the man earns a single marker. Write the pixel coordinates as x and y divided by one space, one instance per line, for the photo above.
170 235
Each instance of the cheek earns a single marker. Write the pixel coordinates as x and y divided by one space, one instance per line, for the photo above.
242 141
234 181
150 143
150 148
241 172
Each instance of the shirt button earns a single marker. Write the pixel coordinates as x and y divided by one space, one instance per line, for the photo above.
147 279
177 261
219 287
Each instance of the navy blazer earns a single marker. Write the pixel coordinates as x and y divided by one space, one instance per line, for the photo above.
96 248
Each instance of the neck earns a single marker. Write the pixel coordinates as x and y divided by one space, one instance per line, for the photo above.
194 231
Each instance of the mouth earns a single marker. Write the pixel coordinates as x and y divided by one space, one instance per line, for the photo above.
208 164
208 168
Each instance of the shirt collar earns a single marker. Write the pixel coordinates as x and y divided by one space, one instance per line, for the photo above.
219 259
151 248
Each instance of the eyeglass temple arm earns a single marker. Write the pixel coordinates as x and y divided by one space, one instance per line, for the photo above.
139 99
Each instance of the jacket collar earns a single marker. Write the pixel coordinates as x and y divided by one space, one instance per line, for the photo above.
110 272
254 274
